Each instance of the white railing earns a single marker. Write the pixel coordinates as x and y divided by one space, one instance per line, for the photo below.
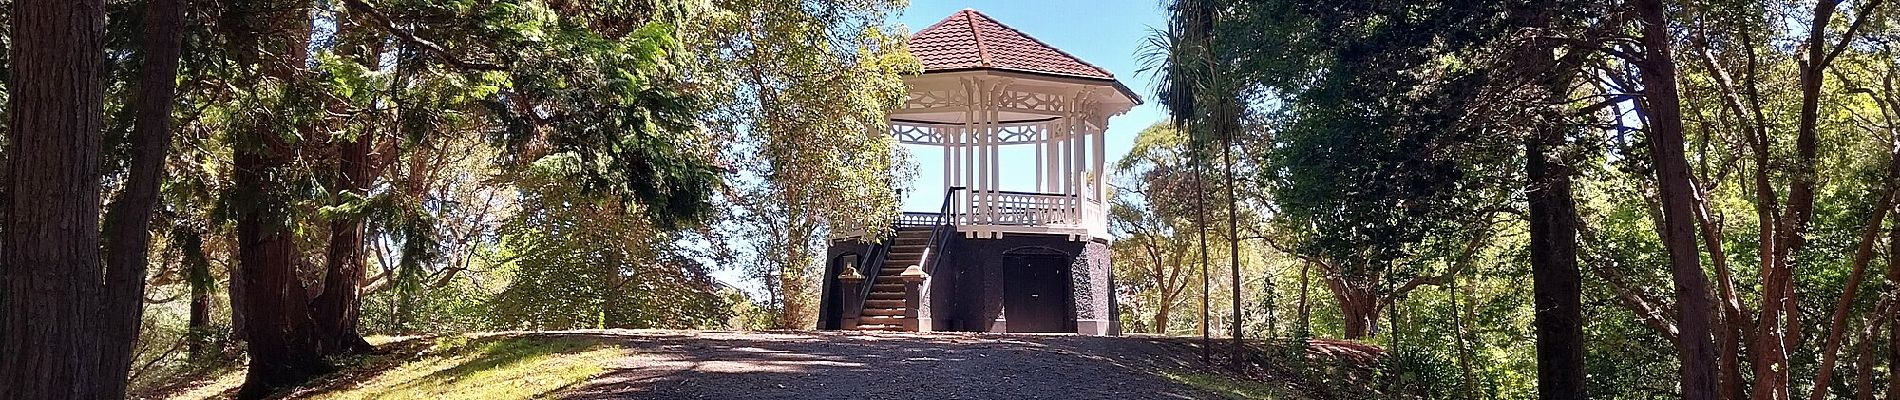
988 213
1025 209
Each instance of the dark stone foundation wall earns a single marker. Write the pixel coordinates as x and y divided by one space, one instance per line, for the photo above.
966 289
1094 290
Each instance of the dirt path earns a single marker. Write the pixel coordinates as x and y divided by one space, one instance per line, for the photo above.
715 365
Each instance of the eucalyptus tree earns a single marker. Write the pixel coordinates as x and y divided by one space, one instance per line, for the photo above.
805 89
1155 242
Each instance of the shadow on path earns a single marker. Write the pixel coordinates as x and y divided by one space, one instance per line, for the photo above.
829 365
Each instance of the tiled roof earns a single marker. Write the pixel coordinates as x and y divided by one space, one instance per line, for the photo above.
971 40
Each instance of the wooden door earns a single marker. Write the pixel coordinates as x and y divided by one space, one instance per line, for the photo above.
1036 294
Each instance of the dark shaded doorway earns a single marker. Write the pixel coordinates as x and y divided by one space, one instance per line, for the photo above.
1036 293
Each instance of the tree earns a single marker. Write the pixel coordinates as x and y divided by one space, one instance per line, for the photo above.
337 309
1155 244
1556 279
272 40
128 219
1663 111
56 112
55 284
807 87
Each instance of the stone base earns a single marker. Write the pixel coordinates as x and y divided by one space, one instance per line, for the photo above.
1091 327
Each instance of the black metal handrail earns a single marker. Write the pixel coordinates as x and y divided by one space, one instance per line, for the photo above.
874 253
933 248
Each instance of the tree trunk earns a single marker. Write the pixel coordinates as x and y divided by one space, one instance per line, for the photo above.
128 222
1864 361
1556 280
1734 321
1863 255
1161 319
1306 312
1663 105
198 275
1893 324
337 309
1233 228
1359 309
51 239
282 337
1461 317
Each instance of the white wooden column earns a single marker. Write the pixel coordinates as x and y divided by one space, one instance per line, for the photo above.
962 150
1049 182
986 161
943 143
1100 132
1035 140
1077 130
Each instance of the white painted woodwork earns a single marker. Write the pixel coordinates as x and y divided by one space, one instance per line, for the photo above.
972 114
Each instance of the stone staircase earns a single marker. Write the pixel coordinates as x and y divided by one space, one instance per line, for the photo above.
884 310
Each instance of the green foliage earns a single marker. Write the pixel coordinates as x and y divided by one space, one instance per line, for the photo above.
578 263
804 87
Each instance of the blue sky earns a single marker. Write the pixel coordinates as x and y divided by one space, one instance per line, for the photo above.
1107 33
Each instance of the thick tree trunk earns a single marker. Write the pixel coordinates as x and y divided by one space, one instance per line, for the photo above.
1864 360
49 317
1663 108
1556 280
282 337
1359 307
338 308
128 222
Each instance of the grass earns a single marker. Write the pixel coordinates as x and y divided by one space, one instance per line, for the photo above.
1233 387
450 367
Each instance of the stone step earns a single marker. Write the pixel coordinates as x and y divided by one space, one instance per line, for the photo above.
882 319
887 287
885 312
896 303
881 327
888 279
899 296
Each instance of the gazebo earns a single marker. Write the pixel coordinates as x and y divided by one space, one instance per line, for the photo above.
1025 260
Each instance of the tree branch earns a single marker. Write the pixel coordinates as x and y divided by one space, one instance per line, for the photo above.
411 38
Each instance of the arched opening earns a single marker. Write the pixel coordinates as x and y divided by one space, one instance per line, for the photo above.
1037 290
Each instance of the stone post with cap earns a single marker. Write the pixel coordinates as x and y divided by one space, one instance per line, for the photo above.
848 284
914 315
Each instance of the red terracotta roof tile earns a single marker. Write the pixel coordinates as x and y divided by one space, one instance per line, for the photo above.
971 40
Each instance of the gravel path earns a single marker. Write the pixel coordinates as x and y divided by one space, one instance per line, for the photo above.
830 365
